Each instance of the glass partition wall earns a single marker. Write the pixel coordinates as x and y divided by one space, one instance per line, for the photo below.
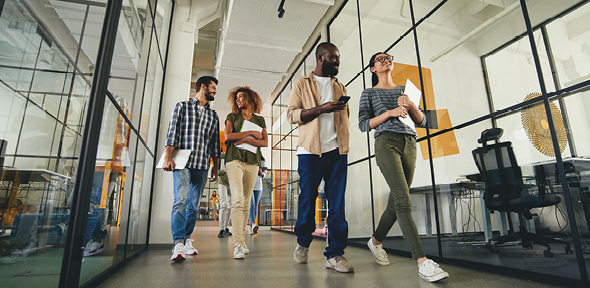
522 66
48 62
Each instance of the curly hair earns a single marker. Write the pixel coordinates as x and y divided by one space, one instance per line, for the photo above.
252 99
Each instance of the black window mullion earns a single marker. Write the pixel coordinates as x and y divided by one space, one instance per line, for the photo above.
72 260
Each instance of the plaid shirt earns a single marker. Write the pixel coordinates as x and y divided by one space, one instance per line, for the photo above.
197 130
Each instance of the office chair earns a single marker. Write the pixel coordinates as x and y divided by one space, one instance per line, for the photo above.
506 192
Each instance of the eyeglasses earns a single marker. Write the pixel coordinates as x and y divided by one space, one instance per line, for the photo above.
383 58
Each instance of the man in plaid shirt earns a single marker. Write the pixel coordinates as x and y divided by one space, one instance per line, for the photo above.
194 126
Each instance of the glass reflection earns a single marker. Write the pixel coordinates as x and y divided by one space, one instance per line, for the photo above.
43 106
107 212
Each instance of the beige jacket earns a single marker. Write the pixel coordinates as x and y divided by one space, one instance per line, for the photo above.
306 95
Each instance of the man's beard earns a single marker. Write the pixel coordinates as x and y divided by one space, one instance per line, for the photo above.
208 95
329 69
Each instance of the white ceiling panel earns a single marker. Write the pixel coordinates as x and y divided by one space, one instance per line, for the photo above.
257 58
258 21
262 83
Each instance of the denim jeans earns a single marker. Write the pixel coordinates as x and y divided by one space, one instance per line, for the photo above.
332 167
93 225
188 189
256 194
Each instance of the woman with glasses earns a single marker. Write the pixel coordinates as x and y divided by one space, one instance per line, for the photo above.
242 126
381 108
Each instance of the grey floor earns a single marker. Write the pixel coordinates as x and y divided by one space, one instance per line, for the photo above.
270 264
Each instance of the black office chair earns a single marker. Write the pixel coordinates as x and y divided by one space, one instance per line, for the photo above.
506 192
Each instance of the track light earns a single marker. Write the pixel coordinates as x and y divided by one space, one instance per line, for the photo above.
281 10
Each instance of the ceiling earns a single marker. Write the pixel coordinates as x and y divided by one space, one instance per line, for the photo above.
253 46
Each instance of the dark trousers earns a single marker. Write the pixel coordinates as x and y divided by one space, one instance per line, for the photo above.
332 167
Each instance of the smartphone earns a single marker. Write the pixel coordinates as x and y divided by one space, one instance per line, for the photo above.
344 98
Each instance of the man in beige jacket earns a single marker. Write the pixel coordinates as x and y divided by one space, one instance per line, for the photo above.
322 151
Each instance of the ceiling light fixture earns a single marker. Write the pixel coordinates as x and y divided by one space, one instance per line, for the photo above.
281 10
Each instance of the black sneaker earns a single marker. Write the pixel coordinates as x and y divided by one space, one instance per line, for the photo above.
220 235
227 232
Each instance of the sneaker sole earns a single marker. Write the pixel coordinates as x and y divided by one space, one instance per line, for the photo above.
177 258
94 252
240 257
255 230
435 278
193 253
382 263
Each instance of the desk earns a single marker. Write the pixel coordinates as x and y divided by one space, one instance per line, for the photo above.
456 190
49 179
546 171
577 171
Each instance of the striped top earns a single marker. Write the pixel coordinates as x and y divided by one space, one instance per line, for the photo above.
383 100
195 129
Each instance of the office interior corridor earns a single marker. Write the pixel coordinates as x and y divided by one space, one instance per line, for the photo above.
270 264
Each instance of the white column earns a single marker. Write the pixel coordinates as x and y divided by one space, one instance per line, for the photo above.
176 89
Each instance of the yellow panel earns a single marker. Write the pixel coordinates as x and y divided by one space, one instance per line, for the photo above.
402 72
442 145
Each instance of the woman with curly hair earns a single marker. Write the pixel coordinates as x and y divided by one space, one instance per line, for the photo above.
241 164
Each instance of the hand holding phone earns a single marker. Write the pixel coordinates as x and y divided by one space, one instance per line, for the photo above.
344 98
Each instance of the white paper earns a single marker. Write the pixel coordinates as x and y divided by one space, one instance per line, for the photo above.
179 156
249 126
414 94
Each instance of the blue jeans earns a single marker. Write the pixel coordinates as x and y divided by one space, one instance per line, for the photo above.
332 167
256 194
93 230
188 189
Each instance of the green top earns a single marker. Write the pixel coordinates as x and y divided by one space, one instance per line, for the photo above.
232 152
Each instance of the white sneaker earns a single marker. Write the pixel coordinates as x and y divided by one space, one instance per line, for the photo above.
30 248
178 253
300 254
239 252
340 264
255 229
245 249
190 250
431 272
93 248
249 228
378 253
61 228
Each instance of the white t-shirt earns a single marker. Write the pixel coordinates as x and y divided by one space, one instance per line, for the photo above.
328 136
